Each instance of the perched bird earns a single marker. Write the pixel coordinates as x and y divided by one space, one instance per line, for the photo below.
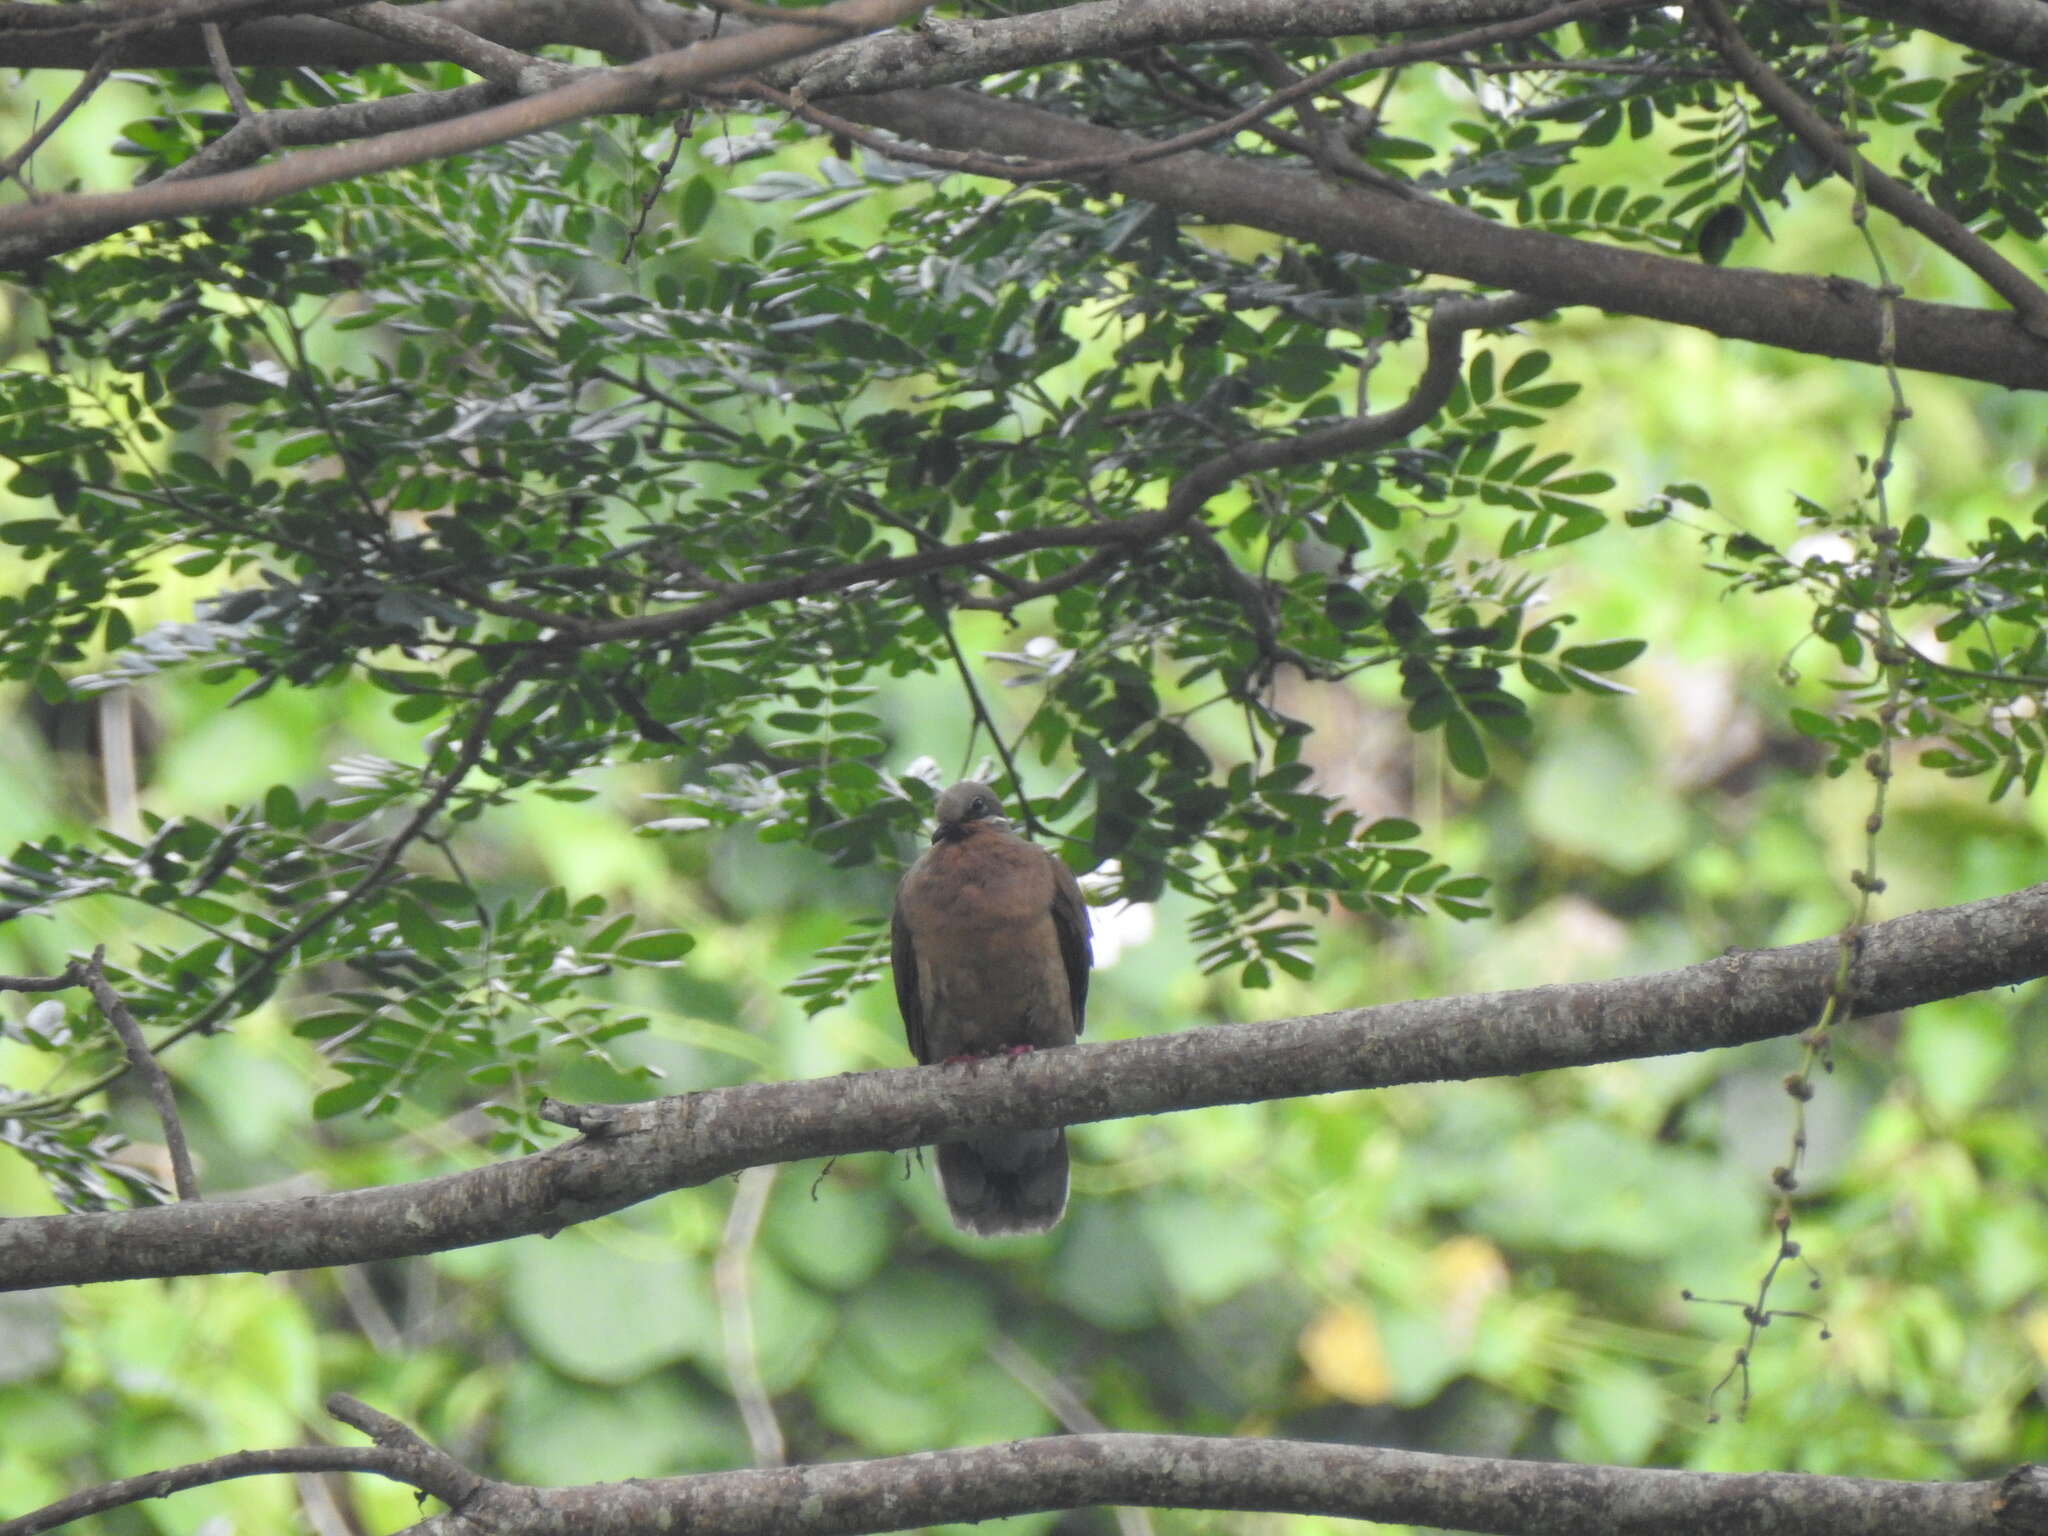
990 946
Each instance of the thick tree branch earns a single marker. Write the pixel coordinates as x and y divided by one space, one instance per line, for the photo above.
1469 1493
1301 89
959 50
616 29
2016 30
1831 318
253 138
1834 318
509 67
637 1151
1516 1498
33 231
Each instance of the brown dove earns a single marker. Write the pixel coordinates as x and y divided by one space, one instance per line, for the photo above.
991 950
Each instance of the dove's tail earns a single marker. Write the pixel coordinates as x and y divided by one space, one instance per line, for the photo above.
1003 1186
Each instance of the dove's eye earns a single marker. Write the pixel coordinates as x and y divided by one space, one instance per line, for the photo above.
979 807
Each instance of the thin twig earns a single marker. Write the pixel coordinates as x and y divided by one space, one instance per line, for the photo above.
978 164
1645 67
2028 299
1359 434
224 69
90 81
156 1485
878 509
144 1062
63 981
679 133
730 1280
750 10
983 720
508 67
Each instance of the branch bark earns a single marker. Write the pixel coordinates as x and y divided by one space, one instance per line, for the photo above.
142 1061
2026 297
1831 318
1517 1498
633 1152
962 49
313 42
29 232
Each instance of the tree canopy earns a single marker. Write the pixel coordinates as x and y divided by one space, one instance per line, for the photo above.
513 511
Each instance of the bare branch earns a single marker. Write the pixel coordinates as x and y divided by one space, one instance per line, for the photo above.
398 1454
125 18
102 66
647 1149
34 231
960 49
1516 1498
223 68
2028 299
63 981
1832 318
1304 88
221 1469
427 1467
251 139
518 72
619 31
143 1062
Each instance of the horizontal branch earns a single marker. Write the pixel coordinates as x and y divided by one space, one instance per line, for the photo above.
636 1151
959 50
1470 1493
199 1474
1060 1472
32 231
1831 318
313 42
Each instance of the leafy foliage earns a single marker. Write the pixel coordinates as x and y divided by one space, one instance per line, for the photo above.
1974 661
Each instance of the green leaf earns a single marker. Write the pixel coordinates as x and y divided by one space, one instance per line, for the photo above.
662 947
351 1095
1463 746
1606 656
